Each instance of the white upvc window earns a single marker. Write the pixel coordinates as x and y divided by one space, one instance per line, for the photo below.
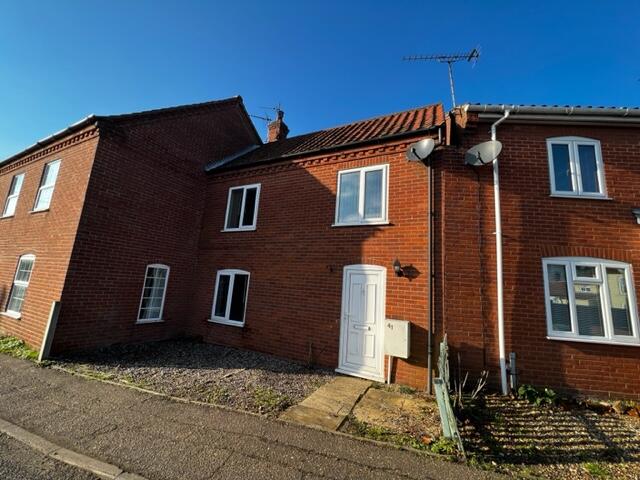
242 208
230 297
362 196
154 291
590 300
13 195
20 284
576 168
47 185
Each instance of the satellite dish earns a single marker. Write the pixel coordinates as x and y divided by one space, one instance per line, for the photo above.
483 153
420 150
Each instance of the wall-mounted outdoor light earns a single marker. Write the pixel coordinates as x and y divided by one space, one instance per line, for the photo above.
636 213
398 268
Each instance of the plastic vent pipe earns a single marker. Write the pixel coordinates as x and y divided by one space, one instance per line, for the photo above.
499 275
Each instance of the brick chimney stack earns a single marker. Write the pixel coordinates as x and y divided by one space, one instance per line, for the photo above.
278 130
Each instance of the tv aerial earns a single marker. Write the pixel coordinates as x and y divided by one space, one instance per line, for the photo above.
449 59
483 153
419 151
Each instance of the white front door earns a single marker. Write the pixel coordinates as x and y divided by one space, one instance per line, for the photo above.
363 292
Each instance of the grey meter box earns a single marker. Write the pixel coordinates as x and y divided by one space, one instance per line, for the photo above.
397 338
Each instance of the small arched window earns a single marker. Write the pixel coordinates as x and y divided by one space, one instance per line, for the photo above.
153 293
575 167
20 284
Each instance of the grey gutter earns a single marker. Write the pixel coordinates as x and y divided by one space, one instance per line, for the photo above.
558 113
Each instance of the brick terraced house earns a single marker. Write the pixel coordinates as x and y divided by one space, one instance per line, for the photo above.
180 221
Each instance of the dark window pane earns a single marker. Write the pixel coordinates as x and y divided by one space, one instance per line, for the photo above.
249 207
373 194
220 309
589 310
348 201
619 300
561 167
588 168
235 204
585 271
238 298
559 298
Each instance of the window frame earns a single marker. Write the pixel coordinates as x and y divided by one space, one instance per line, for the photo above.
42 186
384 218
232 272
22 283
577 191
11 196
240 227
609 338
160 318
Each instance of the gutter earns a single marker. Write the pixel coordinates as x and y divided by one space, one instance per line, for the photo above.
557 114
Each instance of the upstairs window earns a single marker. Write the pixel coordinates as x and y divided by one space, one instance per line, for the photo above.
12 197
20 284
362 196
590 300
575 167
242 208
230 297
47 184
153 293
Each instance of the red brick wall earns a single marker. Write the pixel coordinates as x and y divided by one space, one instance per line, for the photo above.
144 206
296 258
535 225
49 235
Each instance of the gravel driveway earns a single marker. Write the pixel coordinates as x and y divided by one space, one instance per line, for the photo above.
241 379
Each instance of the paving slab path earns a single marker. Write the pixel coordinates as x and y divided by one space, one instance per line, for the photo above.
162 439
329 405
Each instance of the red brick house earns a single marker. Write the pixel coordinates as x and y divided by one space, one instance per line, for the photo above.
180 221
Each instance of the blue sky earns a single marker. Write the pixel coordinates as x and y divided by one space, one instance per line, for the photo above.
328 62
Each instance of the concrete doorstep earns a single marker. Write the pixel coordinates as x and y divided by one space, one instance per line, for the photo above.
56 452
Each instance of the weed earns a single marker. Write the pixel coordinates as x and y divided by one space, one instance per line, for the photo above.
17 348
268 400
596 470
406 390
536 396
444 446
218 394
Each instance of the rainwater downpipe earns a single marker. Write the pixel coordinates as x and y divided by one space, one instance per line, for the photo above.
499 272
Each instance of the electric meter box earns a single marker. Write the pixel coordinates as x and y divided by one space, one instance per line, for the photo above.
397 338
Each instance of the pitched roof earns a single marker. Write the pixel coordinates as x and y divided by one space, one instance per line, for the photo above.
95 119
364 131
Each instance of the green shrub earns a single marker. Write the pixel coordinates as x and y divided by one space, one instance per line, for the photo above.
538 397
444 446
16 348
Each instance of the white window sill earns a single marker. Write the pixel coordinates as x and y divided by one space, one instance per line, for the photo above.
7 216
222 321
581 197
604 341
363 224
14 315
244 229
40 210
150 320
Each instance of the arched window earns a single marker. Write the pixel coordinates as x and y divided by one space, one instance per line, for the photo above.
153 293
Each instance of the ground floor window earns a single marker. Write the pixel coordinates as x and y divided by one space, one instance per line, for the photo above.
590 299
230 297
153 293
20 284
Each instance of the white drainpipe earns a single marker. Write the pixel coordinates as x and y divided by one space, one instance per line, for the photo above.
499 276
